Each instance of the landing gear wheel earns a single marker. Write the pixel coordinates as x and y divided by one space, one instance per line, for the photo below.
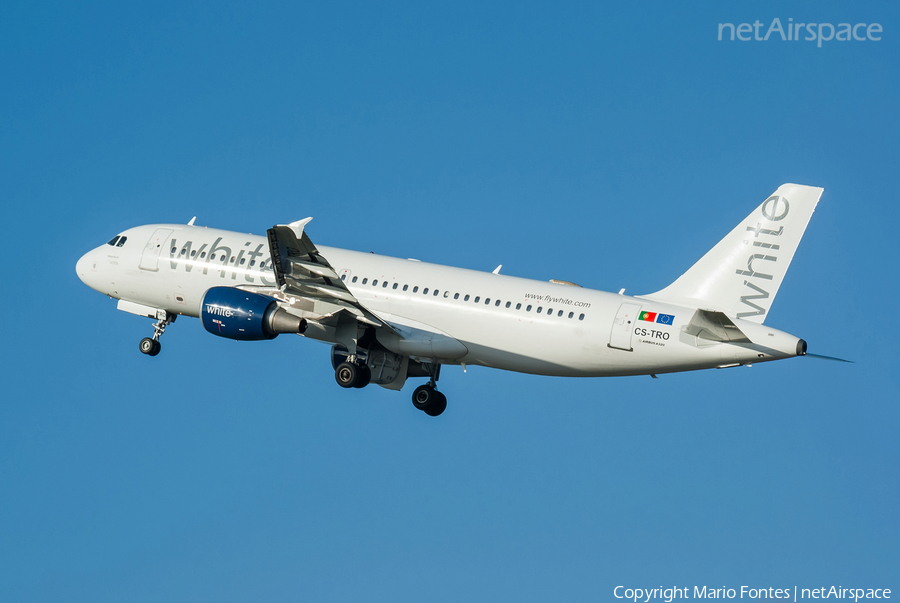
364 377
429 400
347 374
150 346
439 406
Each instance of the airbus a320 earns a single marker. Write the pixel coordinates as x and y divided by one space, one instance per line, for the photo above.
389 319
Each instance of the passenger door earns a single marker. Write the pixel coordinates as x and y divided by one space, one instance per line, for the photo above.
623 326
150 256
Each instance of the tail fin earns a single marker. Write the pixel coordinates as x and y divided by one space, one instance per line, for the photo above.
742 273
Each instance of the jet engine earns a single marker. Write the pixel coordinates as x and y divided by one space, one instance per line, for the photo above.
245 316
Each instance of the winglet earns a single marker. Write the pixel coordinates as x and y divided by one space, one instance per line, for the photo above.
497 269
297 226
191 223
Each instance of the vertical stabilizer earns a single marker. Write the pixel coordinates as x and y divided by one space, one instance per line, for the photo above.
742 273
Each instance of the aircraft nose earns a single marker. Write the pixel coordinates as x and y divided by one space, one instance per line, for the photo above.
82 266
86 268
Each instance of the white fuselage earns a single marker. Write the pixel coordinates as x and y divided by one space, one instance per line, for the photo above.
475 318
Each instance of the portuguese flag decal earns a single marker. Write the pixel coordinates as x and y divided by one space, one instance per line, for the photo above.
648 316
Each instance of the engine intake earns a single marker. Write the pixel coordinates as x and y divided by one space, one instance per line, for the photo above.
245 316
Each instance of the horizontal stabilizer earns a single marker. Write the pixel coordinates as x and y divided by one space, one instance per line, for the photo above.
715 326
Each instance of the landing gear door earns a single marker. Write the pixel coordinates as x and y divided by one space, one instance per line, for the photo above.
623 326
150 257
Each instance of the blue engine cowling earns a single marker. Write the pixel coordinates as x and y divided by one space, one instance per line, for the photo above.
245 316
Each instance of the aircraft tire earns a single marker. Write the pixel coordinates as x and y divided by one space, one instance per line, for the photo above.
157 346
438 406
429 400
364 377
147 346
346 374
423 396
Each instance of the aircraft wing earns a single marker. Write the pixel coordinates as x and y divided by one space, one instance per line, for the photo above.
305 277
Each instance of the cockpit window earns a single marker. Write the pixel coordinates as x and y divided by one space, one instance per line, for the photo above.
113 241
121 241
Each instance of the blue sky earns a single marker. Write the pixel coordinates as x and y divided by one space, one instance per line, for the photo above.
607 145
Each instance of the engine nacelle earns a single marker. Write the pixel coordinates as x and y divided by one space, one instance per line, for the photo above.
245 316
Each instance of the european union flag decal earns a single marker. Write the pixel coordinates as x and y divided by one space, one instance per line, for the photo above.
665 319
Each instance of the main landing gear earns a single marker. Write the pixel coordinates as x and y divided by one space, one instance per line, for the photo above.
151 345
352 371
427 398
352 374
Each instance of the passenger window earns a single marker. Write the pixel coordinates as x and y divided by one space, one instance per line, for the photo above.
497 303
539 309
212 257
487 301
436 292
354 279
202 254
243 260
425 291
113 241
477 299
183 251
507 304
528 309
416 289
375 283
550 311
232 259
518 306
365 280
466 298
121 241
193 253
559 313
405 287
395 285
174 249
571 314
447 294
456 296
343 276
581 317
385 284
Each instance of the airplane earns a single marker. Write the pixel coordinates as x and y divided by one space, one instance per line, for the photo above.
390 319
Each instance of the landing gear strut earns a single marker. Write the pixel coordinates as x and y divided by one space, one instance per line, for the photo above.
151 345
427 398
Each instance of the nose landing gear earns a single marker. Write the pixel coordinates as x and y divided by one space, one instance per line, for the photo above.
151 345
